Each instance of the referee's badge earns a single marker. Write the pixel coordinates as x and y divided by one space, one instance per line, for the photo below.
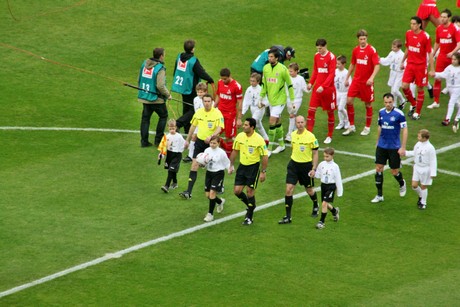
209 125
251 150
302 148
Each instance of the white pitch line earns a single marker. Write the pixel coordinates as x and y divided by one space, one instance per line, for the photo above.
181 233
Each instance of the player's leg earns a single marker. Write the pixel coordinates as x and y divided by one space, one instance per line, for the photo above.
147 112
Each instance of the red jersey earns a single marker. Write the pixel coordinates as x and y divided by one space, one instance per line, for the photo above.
323 70
447 38
228 95
364 59
429 2
418 47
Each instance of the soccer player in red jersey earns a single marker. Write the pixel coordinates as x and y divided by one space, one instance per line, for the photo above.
229 102
448 43
428 11
365 63
418 49
322 81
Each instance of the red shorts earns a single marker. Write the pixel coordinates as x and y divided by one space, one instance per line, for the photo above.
230 125
362 91
442 62
424 11
415 73
326 100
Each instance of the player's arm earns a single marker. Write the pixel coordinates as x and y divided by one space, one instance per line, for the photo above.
379 130
314 162
402 150
403 60
189 135
370 81
263 172
351 68
232 158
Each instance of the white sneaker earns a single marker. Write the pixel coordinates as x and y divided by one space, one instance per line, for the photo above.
434 105
279 149
288 138
402 190
340 126
349 131
377 199
220 207
366 131
209 217
445 91
455 126
328 140
337 214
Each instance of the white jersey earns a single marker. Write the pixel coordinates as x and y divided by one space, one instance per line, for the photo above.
300 86
175 142
251 97
452 76
424 156
393 59
329 172
198 103
339 80
218 159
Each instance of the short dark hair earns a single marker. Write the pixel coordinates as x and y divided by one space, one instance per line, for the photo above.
361 32
389 95
321 42
252 122
189 45
342 59
456 18
158 52
274 51
448 12
225 72
417 20
207 95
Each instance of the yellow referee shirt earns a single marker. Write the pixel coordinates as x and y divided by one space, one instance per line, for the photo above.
302 146
207 122
251 148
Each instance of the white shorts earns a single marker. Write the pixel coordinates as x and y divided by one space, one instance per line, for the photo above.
257 113
422 175
297 104
275 111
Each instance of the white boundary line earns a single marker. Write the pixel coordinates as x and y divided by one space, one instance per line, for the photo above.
181 233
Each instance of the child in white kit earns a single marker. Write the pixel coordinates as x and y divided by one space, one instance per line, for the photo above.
201 89
300 86
251 100
452 76
331 182
217 163
342 91
425 166
393 59
172 145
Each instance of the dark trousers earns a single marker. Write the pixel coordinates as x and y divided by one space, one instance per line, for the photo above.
187 112
147 112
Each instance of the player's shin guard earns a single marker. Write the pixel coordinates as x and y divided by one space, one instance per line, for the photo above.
311 119
228 148
271 137
418 190
420 99
243 198
314 198
379 183
409 96
369 116
323 216
424 196
251 206
191 181
280 135
288 200
351 114
330 123
399 178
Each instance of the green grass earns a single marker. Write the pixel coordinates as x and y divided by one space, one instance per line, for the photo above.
68 197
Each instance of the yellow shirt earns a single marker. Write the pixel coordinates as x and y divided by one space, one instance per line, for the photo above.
207 122
251 148
302 146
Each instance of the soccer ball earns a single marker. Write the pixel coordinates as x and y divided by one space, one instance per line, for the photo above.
202 159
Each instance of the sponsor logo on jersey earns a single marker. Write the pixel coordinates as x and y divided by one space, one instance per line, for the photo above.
323 70
272 80
182 66
225 97
414 49
147 73
445 40
361 62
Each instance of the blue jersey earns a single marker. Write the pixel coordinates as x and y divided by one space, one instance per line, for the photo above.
391 124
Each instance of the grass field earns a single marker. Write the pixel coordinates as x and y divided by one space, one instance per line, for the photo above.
70 196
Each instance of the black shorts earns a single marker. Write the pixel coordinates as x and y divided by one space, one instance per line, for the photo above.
200 146
328 192
298 172
247 175
383 155
172 161
214 180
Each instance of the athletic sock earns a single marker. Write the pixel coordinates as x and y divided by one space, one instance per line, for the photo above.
424 196
251 206
369 116
323 216
271 137
280 135
212 205
420 99
243 198
191 181
288 200
379 183
218 200
399 179
314 198
333 211
409 96
351 114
